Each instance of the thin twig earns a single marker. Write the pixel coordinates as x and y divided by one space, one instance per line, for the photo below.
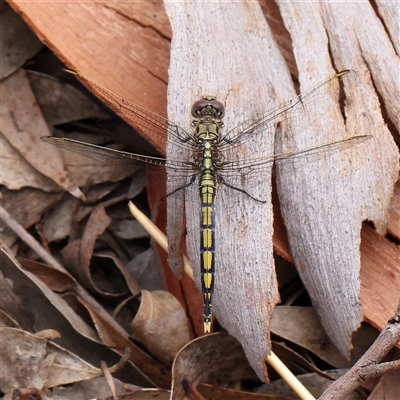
109 378
31 241
368 366
377 370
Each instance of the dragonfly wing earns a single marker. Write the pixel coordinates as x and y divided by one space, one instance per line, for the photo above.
295 112
113 156
146 121
243 171
179 170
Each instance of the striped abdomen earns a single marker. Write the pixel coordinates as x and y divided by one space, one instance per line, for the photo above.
207 191
207 159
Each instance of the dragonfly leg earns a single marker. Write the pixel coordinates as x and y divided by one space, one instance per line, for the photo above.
192 180
222 180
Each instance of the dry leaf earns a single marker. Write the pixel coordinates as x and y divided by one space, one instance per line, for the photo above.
301 325
161 325
130 282
16 172
147 271
96 388
48 309
388 387
146 394
18 42
315 383
58 221
145 365
53 278
26 206
23 125
14 305
79 253
214 356
61 103
21 357
210 392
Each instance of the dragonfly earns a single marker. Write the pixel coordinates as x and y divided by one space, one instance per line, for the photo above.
206 159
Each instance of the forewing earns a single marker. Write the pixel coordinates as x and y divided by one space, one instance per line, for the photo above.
293 112
113 156
142 119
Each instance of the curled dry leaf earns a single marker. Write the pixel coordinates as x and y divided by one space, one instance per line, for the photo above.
56 280
161 325
145 394
146 366
58 221
61 103
17 173
95 388
48 334
26 206
210 392
314 382
19 43
301 325
23 125
215 356
295 361
79 253
133 287
49 310
19 369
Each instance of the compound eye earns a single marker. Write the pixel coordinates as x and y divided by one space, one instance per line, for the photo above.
198 106
219 107
208 106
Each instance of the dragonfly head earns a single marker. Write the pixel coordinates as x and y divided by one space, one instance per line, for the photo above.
208 107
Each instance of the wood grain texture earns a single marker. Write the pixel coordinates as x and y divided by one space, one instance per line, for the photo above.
109 44
209 54
325 202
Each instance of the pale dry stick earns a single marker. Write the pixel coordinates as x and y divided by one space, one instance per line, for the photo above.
157 235
288 377
272 359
